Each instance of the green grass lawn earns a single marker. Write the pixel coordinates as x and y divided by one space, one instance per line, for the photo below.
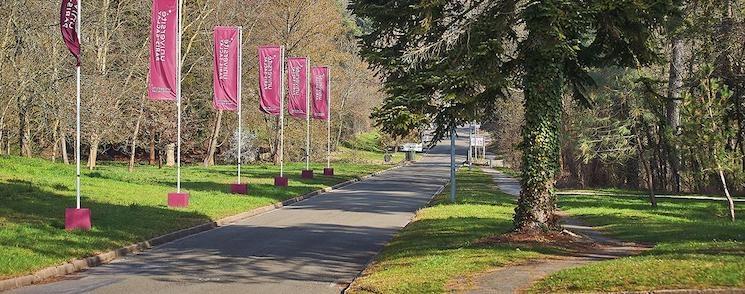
509 171
696 246
369 141
126 207
438 248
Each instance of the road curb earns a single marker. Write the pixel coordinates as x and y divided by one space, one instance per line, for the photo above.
689 291
372 260
85 263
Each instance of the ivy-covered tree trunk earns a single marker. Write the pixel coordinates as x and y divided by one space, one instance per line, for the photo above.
543 85
537 202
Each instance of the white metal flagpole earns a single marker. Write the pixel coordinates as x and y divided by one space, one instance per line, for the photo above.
328 121
178 98
470 145
476 147
282 113
240 84
307 114
77 115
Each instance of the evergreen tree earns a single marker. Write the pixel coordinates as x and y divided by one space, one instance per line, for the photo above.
451 60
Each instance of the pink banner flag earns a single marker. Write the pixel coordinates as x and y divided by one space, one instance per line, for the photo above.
163 50
297 86
68 16
225 72
319 84
270 79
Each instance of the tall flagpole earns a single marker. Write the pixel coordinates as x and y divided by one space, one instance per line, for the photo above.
282 113
328 121
452 163
178 99
307 113
470 144
240 85
77 115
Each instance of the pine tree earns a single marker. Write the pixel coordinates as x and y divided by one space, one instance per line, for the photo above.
451 60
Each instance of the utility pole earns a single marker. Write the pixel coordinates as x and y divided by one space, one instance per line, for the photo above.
470 146
452 164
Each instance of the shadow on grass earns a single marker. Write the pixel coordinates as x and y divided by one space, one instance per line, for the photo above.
35 216
219 180
673 221
430 236
480 211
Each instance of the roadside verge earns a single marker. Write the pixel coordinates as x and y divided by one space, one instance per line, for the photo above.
77 265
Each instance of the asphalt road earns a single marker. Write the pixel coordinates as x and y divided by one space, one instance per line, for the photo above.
315 246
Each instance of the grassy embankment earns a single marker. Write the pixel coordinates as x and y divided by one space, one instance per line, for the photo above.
366 147
696 246
438 248
130 207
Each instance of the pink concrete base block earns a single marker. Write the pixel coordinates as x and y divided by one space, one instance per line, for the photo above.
280 181
178 199
77 219
329 171
239 188
307 174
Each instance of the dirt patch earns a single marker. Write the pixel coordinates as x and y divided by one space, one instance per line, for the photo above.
558 239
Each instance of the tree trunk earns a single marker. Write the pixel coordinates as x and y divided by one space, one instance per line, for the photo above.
28 151
543 83
341 107
730 201
171 155
274 142
210 158
647 169
23 139
151 159
93 154
720 170
675 85
63 146
134 143
338 134
3 133
134 136
160 158
55 140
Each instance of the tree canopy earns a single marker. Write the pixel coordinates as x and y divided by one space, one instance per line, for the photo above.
448 62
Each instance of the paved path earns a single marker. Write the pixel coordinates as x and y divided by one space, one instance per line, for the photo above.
514 279
315 246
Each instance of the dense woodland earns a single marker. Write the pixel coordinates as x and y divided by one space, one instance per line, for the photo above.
672 125
645 94
37 81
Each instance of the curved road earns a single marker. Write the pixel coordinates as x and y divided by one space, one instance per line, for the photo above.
315 246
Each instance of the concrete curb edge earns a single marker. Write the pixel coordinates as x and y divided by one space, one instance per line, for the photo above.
106 257
372 260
